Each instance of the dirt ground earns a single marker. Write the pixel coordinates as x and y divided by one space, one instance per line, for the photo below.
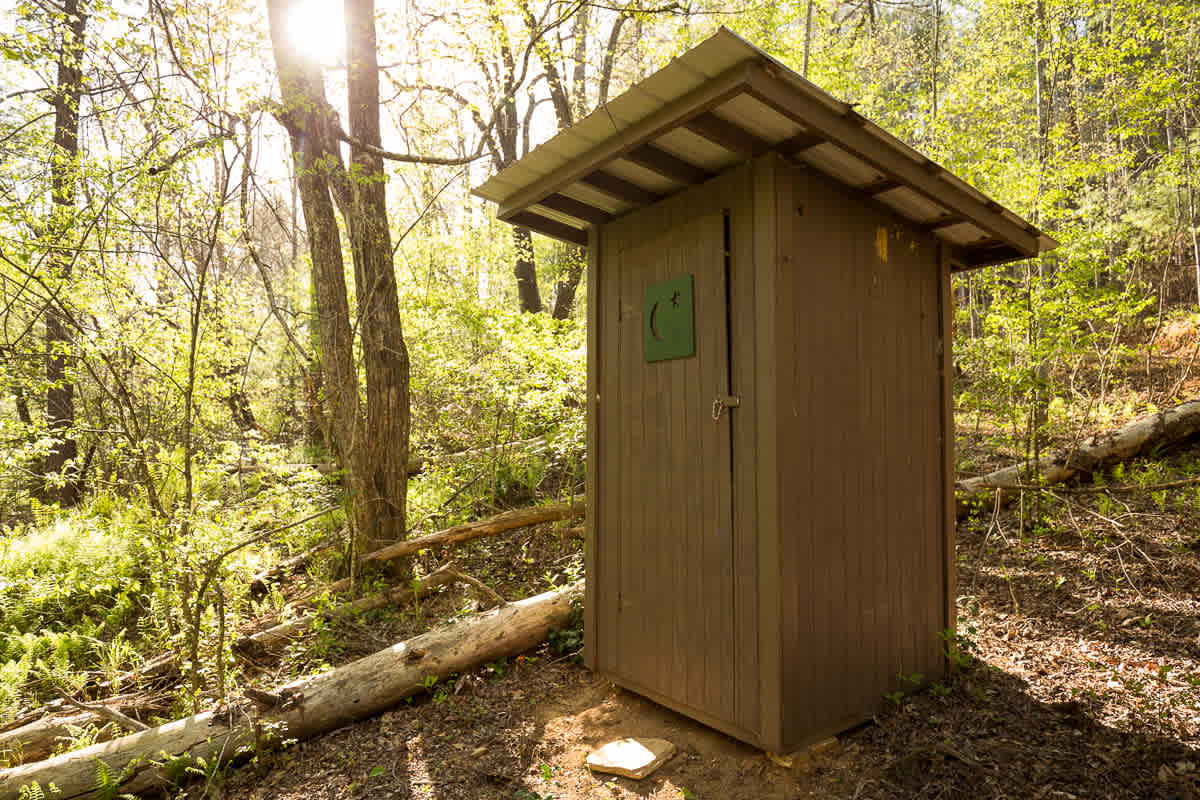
1084 642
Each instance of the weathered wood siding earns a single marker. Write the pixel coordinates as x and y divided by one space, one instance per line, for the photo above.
859 462
771 573
675 600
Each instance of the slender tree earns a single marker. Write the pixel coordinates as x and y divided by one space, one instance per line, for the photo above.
60 470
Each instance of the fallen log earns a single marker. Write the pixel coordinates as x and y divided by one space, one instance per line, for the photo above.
267 642
470 531
160 667
418 464
303 708
1102 450
163 666
38 738
260 584
459 534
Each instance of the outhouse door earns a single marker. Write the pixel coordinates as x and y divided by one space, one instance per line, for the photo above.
665 453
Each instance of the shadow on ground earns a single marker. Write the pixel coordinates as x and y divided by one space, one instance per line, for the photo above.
989 738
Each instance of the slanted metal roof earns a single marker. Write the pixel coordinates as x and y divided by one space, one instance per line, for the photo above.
717 105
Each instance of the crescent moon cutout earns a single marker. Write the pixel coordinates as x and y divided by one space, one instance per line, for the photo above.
654 322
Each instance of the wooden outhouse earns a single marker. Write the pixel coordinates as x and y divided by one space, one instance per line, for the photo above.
770 528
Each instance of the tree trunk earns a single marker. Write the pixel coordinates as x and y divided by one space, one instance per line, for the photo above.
525 270
307 707
568 285
385 355
308 118
60 391
1137 438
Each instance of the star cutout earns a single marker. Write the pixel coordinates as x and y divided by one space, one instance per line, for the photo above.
675 299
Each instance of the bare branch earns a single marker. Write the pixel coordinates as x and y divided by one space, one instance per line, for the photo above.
408 158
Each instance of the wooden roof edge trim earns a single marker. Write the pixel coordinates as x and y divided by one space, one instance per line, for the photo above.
584 212
727 135
860 143
619 188
668 165
988 254
677 112
549 227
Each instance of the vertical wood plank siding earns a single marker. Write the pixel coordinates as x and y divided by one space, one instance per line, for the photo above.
949 521
773 572
860 467
669 622
744 433
591 522
767 253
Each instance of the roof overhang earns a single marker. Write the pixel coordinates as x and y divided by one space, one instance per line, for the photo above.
717 105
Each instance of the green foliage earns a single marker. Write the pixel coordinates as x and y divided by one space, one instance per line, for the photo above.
64 590
106 783
568 642
97 587
486 376
34 791
1079 115
959 647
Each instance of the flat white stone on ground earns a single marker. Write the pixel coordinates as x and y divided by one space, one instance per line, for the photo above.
631 758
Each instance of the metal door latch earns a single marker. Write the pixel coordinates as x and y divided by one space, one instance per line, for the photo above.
721 403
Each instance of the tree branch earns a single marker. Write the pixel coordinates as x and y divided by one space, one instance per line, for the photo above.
407 158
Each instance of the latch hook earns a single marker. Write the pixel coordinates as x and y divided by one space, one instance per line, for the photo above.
721 403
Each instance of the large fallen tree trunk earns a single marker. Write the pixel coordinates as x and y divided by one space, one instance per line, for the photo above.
39 738
459 534
1102 450
303 708
163 666
267 642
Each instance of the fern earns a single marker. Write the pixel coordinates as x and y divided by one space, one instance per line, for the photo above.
34 791
106 786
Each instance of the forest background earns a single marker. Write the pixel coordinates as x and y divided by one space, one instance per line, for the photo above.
180 386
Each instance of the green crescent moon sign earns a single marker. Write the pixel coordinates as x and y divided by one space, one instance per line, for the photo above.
669 320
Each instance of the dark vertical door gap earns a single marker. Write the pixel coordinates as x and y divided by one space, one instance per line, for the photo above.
727 238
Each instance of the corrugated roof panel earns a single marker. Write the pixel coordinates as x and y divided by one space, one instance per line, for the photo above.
836 162
954 180
641 99
575 138
645 178
496 188
619 114
695 149
777 105
911 204
594 197
533 166
758 118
